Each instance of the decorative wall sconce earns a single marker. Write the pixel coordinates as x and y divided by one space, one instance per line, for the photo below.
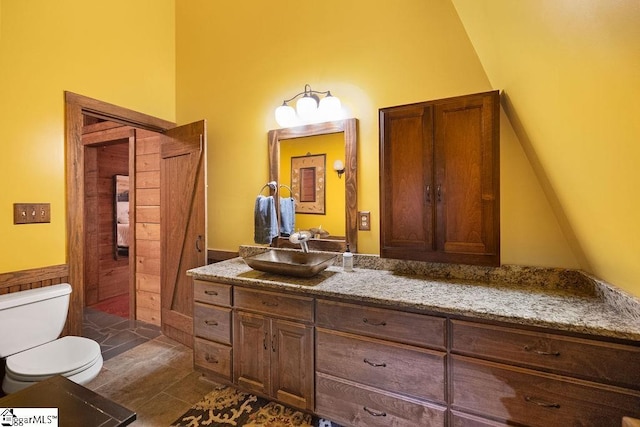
338 166
309 108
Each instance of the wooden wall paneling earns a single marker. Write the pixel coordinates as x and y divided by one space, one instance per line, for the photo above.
114 273
133 247
91 266
147 220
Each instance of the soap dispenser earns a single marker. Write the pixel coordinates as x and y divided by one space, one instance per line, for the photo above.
347 260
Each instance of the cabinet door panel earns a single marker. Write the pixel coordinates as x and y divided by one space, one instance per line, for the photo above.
408 328
467 174
213 357
251 352
353 404
212 323
275 304
589 359
212 293
408 370
292 363
535 399
406 184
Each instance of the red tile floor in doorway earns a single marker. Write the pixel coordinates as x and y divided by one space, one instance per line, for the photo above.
118 305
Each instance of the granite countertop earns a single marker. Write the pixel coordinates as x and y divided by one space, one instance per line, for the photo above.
554 298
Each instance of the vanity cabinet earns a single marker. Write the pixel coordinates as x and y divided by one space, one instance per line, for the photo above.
364 365
379 367
273 346
540 379
439 180
212 328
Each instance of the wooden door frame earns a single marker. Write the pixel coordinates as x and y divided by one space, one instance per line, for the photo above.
75 107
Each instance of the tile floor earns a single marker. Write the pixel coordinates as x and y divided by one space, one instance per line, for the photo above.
144 370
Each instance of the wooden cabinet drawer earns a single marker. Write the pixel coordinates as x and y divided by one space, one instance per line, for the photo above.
212 293
408 370
520 395
460 419
594 360
212 323
274 304
410 328
213 357
352 404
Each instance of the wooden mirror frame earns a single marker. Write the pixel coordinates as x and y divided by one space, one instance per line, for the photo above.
349 128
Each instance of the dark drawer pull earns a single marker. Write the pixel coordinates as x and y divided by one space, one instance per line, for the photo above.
211 323
210 292
270 304
374 413
210 359
541 402
375 365
368 322
542 353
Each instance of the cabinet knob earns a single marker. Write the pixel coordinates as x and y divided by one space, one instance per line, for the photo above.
210 359
427 194
210 292
375 365
211 323
541 402
374 413
540 352
369 322
270 304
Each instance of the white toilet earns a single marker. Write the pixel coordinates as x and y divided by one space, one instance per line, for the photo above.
30 323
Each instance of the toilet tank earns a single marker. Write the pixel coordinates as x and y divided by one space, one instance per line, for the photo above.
32 317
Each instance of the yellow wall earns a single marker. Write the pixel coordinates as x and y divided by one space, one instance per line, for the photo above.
571 73
236 64
232 64
121 52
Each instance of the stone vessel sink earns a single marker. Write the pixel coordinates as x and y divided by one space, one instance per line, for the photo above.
290 263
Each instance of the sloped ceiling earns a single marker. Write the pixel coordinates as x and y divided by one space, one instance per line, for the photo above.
570 75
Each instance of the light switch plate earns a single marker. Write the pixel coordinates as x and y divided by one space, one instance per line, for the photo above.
364 220
31 213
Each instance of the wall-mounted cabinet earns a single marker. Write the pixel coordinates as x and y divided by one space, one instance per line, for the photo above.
439 180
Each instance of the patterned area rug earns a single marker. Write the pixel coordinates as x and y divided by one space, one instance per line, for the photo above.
227 406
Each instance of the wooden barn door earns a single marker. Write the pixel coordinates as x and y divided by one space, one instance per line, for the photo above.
183 224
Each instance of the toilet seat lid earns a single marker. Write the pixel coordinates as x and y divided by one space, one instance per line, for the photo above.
65 356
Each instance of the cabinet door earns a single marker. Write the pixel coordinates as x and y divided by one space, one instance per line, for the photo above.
251 352
406 181
292 363
439 180
467 178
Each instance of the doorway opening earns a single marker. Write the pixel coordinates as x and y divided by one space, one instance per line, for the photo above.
112 136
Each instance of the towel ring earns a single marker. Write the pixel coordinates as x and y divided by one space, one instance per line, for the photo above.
288 188
272 185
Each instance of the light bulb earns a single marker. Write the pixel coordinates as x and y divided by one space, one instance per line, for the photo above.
330 108
285 116
307 108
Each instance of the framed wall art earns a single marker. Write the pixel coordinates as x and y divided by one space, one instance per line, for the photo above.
308 183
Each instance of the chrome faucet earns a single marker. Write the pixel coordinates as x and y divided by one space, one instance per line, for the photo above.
301 238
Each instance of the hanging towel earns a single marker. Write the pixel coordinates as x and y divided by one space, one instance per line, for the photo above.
265 220
287 216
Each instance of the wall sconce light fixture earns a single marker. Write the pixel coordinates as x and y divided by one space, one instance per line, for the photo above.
309 108
338 166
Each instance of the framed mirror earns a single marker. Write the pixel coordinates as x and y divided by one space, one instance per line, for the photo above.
347 128
121 216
